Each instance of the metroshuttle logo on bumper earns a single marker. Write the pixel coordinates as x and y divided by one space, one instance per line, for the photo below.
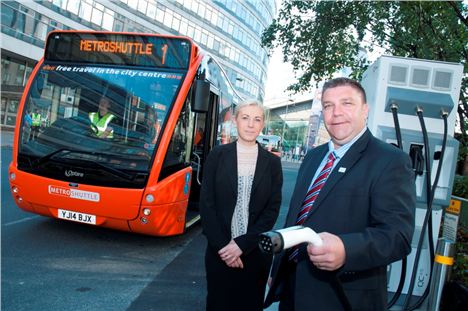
74 193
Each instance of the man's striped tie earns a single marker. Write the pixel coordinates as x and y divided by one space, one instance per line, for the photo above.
312 194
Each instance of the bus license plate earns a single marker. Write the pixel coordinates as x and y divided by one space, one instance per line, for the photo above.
75 216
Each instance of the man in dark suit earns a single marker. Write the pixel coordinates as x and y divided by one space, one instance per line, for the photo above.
363 209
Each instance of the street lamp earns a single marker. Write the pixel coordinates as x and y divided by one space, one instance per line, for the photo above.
267 121
285 117
298 130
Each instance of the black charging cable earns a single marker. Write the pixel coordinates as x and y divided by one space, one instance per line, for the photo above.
394 109
419 302
401 283
427 223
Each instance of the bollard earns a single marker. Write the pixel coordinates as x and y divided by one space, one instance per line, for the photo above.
443 262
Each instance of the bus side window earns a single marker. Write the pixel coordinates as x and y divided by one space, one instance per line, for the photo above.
176 155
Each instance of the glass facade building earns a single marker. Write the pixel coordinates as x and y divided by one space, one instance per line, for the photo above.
229 30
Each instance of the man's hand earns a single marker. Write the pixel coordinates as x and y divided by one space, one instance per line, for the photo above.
330 256
230 254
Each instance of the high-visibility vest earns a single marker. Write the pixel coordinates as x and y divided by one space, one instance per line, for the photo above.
101 123
36 119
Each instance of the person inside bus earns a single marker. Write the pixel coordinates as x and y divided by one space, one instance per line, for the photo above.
35 124
240 198
101 119
27 126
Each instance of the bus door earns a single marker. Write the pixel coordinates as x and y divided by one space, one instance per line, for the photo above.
204 139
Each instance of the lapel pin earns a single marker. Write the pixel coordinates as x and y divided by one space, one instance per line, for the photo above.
342 170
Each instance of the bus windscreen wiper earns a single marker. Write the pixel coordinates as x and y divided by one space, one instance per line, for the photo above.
112 170
106 167
48 156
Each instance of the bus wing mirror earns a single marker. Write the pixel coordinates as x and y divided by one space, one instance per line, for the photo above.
201 96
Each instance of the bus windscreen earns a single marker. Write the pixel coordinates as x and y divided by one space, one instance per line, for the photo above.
118 49
103 122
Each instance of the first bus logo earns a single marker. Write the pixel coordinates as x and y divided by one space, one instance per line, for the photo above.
74 193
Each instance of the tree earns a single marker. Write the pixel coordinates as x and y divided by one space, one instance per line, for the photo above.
321 37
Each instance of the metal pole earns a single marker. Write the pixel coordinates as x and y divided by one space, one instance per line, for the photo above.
284 121
443 262
297 134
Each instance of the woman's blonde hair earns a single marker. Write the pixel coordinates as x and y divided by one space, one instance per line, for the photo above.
249 102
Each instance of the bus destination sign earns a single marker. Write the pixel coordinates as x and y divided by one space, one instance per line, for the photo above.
118 49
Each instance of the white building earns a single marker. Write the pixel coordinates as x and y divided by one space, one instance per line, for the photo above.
230 30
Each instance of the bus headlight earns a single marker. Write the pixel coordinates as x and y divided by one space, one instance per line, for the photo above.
149 198
146 211
144 220
12 176
14 189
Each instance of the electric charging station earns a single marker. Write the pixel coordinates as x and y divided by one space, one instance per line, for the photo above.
413 104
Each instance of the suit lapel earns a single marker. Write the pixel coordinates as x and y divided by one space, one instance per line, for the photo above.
231 165
347 162
302 184
260 167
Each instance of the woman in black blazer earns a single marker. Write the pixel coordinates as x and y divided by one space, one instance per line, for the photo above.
240 198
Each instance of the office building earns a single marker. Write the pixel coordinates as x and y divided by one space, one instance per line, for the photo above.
230 30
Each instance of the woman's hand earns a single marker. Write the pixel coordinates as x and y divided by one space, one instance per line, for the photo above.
230 254
236 264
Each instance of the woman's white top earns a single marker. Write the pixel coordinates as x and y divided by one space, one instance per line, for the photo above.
246 162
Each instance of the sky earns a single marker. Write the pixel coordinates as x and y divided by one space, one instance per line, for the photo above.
280 75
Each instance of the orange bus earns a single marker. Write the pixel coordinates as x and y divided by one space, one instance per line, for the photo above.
113 130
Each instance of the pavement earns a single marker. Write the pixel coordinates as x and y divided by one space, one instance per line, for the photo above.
290 165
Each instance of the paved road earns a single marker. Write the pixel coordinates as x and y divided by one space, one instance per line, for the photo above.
58 265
